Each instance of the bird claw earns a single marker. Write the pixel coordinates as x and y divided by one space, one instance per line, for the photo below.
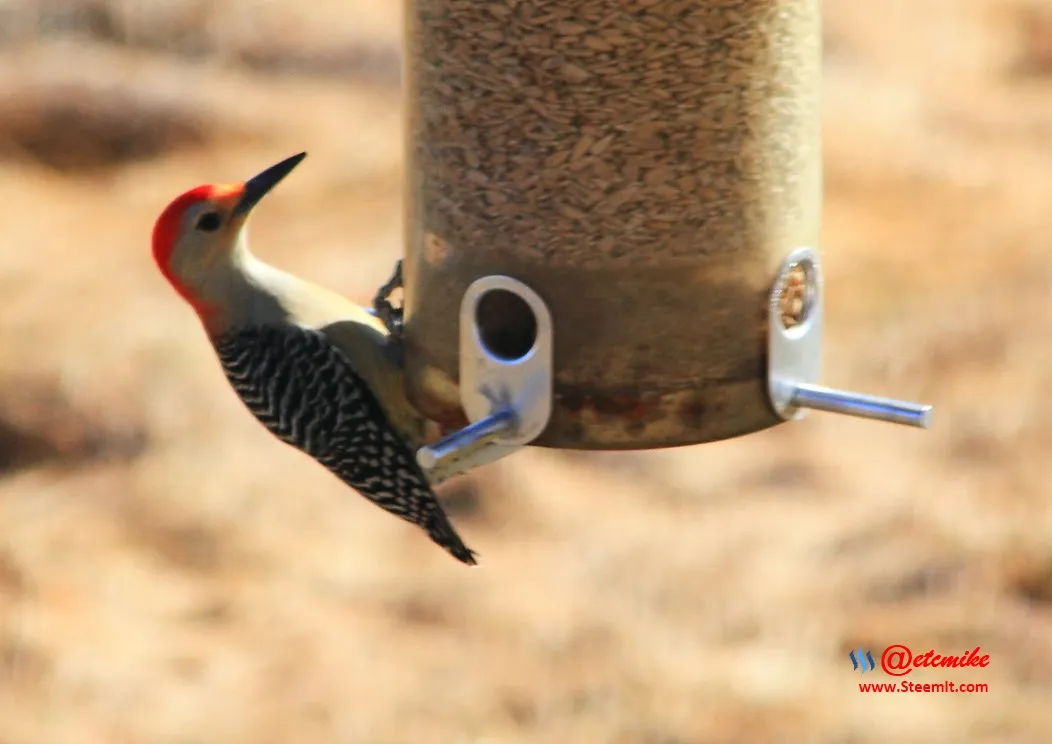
390 315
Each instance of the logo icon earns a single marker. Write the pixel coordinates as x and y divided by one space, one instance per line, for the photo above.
862 660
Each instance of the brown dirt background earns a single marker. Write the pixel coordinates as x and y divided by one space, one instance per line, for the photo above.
170 574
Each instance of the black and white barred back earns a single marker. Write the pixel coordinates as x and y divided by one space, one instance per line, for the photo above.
304 391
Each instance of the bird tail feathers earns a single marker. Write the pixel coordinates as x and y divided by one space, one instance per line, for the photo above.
441 530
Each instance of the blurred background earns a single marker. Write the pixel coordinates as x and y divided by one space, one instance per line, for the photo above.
169 573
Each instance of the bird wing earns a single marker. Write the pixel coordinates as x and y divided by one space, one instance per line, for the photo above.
305 391
377 360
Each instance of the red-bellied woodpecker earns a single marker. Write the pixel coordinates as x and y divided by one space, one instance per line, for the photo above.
318 371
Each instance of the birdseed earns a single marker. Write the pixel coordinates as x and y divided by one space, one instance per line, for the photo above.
597 129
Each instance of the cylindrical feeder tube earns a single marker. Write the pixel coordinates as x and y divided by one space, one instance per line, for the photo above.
645 166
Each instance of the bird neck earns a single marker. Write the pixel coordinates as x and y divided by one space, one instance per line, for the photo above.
236 292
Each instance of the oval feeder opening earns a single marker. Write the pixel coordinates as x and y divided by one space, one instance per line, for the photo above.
506 325
796 296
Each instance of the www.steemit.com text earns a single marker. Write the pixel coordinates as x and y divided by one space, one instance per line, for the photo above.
908 686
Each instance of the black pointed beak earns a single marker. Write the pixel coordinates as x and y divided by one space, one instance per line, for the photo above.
260 184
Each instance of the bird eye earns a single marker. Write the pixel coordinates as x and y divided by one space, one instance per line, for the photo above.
209 222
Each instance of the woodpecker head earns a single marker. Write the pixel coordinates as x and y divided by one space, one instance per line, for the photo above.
199 233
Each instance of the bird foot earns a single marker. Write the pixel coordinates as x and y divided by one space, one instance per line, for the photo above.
388 313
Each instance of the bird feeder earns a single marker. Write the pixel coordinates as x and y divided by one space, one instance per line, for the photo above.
612 217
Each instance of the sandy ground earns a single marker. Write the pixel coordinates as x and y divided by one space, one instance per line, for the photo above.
170 574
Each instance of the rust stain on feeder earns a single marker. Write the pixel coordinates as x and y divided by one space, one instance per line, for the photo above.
627 405
645 167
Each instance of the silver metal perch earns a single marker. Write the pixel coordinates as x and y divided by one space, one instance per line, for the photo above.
505 375
795 353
